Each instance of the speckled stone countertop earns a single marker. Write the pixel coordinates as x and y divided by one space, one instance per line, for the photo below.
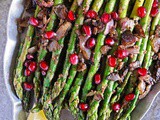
5 103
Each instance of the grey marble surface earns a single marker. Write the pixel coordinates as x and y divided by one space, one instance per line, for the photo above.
5 103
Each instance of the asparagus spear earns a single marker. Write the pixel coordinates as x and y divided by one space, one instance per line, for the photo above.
74 92
149 48
97 56
92 112
145 21
74 99
42 52
53 62
145 65
122 86
59 84
50 76
17 82
96 7
137 4
104 113
58 104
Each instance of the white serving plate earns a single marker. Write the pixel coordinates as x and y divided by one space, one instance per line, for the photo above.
11 50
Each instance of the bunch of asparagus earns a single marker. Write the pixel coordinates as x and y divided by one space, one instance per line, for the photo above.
91 57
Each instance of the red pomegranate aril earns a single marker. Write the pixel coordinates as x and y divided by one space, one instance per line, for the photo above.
27 86
87 30
33 21
83 106
97 79
114 16
32 66
141 11
29 57
154 11
155 3
105 18
121 54
116 107
43 72
142 71
112 62
90 43
71 16
91 14
27 72
129 97
73 58
27 62
43 65
109 41
49 34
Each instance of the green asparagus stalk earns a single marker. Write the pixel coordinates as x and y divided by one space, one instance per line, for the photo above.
59 84
53 62
67 86
43 51
74 94
145 20
133 78
132 106
50 75
137 4
96 7
143 48
17 82
97 56
104 112
74 99
122 86
92 112
58 105
149 48
145 65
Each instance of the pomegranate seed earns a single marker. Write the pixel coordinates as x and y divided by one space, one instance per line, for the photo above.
109 41
49 34
121 54
83 106
27 62
142 71
154 11
114 16
33 21
141 12
97 78
91 14
129 97
43 65
90 43
116 107
27 86
87 30
105 18
71 16
155 3
112 61
32 66
43 72
73 58
29 57
27 72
